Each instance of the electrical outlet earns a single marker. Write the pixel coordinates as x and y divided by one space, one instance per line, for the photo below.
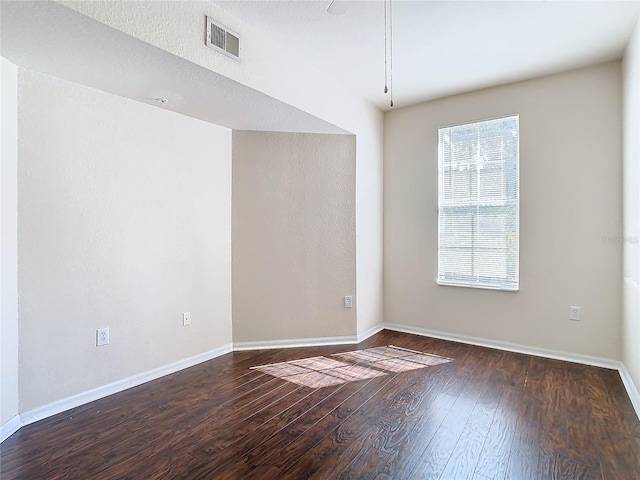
574 313
186 318
102 337
348 301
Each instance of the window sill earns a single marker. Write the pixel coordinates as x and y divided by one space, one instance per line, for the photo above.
499 288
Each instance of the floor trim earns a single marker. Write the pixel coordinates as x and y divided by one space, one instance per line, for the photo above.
370 332
308 342
9 428
509 347
294 343
64 404
631 388
60 406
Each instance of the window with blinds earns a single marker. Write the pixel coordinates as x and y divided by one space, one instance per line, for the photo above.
478 204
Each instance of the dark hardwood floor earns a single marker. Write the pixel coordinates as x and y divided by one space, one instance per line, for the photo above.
458 412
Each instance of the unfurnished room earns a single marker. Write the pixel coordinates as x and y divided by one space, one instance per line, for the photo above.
320 239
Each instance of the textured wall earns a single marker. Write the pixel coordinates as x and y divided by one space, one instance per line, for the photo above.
570 198
178 27
293 235
631 166
124 222
9 322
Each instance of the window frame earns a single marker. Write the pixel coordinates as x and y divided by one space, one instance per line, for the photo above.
485 283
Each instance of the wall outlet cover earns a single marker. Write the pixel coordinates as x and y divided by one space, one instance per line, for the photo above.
348 301
574 313
102 337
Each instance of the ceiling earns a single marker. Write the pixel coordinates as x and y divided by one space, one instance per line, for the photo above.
50 38
442 47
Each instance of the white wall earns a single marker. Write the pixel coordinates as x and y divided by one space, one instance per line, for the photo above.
9 278
631 169
369 228
124 222
178 27
294 232
570 199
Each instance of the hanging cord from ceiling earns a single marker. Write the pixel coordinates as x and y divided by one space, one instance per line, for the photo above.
388 48
391 51
386 71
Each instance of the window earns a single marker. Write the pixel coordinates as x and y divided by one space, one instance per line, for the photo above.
478 204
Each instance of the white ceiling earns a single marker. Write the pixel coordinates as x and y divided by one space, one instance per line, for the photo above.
442 47
50 38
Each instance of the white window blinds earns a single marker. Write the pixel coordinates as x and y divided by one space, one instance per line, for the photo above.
478 204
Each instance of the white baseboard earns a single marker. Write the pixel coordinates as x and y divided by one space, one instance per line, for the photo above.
370 332
631 388
9 428
294 343
308 342
64 404
60 406
509 347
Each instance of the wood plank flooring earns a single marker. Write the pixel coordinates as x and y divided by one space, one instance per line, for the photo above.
474 413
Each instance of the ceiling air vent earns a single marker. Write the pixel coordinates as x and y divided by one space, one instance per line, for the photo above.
222 39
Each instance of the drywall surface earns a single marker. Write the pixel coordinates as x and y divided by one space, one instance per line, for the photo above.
631 189
369 228
124 222
9 279
50 38
570 215
179 28
293 235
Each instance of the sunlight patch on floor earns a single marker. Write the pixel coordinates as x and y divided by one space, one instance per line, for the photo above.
318 372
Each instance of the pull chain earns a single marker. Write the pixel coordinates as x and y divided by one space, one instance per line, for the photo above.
391 50
386 72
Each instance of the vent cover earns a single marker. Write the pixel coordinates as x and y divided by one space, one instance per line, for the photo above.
222 39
